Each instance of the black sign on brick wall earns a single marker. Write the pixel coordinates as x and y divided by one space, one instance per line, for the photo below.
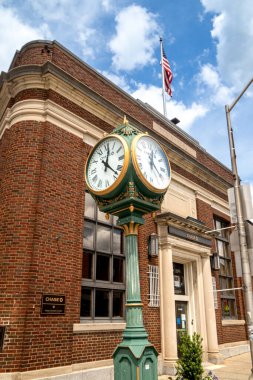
52 304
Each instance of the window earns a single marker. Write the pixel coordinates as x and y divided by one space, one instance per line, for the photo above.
225 273
103 269
154 296
178 273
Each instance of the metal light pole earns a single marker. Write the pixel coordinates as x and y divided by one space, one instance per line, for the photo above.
246 275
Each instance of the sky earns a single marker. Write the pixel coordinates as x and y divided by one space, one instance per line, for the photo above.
209 44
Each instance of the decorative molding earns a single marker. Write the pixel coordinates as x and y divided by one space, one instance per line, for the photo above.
47 111
202 194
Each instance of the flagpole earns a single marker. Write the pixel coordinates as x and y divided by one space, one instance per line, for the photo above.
163 90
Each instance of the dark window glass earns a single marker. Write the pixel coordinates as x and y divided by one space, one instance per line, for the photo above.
103 267
117 269
102 303
86 302
87 268
90 206
103 238
118 303
178 273
117 241
89 235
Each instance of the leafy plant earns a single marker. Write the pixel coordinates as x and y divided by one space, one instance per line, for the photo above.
189 365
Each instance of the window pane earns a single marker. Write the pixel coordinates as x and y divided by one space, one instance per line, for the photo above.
102 303
86 302
117 241
103 238
117 304
178 272
228 308
223 284
90 206
220 248
89 232
217 225
114 220
117 269
87 265
222 267
101 217
103 268
232 308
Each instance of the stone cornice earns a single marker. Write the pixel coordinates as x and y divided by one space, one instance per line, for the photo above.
186 223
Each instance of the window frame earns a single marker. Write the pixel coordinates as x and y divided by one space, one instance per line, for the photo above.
94 284
227 276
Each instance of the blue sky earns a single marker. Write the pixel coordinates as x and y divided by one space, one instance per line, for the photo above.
208 43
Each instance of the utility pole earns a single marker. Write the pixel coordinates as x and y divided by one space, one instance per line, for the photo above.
246 275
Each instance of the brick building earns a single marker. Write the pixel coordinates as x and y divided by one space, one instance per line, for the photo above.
55 243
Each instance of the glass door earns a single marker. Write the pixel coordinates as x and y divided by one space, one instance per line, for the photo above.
181 318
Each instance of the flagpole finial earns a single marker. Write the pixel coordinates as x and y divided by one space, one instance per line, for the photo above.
161 39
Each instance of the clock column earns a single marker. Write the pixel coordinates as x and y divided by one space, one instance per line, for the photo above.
130 197
135 357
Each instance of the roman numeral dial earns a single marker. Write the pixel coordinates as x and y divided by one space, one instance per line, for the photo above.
151 163
107 164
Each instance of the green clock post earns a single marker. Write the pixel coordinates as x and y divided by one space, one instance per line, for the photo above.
128 173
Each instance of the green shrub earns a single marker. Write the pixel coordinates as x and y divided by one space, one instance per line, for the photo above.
189 366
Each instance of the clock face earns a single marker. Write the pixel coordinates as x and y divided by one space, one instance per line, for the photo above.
107 165
151 163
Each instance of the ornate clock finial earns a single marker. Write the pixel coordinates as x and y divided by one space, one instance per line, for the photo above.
125 121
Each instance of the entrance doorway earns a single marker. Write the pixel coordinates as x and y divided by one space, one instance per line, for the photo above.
181 318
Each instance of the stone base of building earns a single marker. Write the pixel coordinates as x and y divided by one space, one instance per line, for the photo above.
215 358
232 349
101 370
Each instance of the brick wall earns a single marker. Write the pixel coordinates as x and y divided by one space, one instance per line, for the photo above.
151 315
42 204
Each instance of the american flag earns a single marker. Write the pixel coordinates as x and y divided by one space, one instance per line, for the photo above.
167 73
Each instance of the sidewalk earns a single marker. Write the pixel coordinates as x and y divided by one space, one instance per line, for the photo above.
234 368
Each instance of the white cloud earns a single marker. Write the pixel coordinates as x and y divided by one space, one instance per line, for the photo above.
210 85
187 115
136 37
233 31
118 80
15 33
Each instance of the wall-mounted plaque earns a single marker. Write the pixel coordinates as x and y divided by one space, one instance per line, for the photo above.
52 304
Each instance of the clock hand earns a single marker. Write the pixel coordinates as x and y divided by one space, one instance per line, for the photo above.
108 166
151 160
157 171
107 157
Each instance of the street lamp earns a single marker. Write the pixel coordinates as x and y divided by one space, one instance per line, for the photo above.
246 275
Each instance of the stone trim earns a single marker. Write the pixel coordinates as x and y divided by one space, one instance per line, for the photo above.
87 327
70 371
48 111
233 322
